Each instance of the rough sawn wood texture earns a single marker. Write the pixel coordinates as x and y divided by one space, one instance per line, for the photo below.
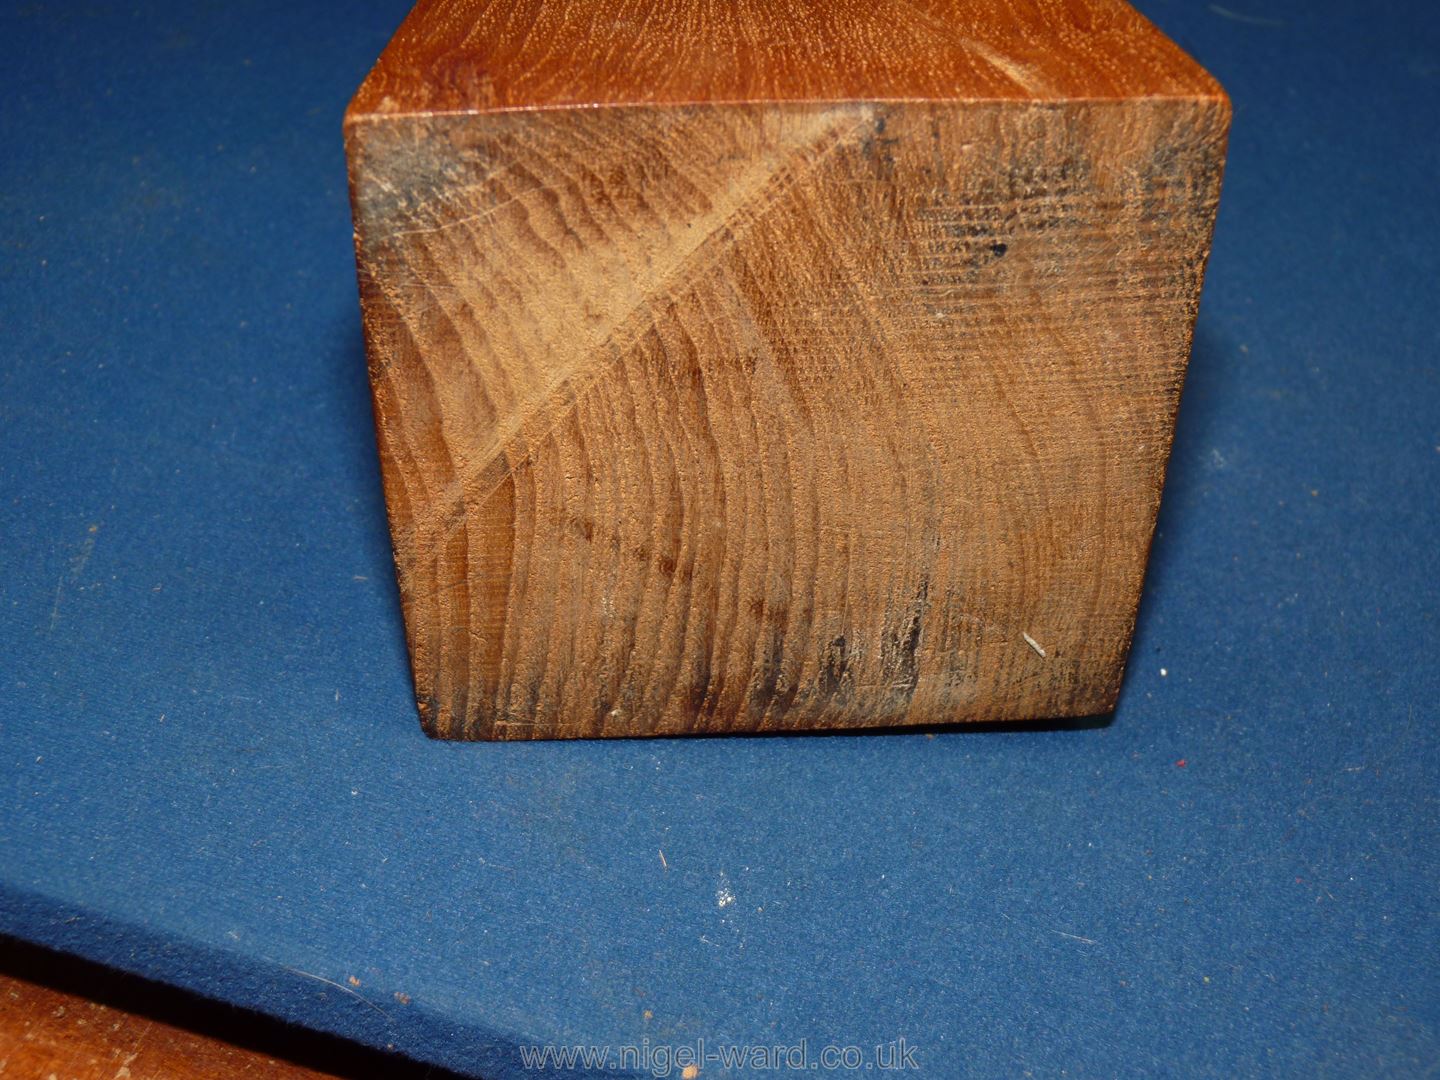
747 366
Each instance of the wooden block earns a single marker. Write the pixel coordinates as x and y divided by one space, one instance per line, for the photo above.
773 366
67 1019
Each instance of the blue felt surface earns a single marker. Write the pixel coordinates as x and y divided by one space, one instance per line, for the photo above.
210 766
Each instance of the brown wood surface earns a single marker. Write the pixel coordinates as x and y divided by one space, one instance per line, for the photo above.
481 55
825 376
66 1019
46 1033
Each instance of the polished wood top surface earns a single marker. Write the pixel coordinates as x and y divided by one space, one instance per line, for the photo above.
497 55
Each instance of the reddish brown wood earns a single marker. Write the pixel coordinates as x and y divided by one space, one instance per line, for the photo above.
64 1018
471 56
753 366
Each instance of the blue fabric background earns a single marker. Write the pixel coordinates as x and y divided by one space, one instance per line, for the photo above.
212 770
